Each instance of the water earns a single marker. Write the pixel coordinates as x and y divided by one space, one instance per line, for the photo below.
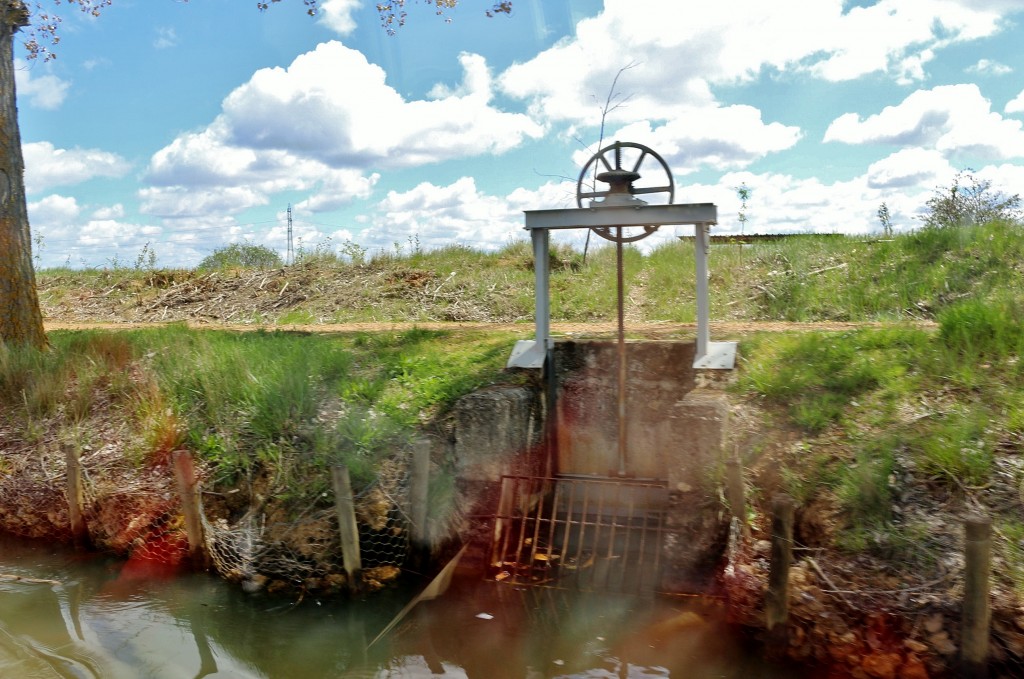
108 619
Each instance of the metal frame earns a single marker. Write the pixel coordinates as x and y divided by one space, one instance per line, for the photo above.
533 353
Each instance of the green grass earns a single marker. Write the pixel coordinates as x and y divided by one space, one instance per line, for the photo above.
287 405
918 275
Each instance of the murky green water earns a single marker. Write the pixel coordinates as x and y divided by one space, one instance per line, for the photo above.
111 620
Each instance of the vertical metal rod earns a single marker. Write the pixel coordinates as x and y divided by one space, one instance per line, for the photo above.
502 524
630 521
538 517
598 525
701 244
622 353
522 521
567 536
554 520
542 301
583 530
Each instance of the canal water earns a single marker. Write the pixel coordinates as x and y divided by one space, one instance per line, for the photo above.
102 618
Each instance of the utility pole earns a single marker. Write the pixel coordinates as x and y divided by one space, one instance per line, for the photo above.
290 257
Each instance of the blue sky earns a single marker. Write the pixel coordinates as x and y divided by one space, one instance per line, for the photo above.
189 126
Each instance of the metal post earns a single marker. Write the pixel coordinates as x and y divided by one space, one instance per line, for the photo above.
192 508
419 493
79 528
776 605
976 612
701 243
541 260
736 493
620 285
347 526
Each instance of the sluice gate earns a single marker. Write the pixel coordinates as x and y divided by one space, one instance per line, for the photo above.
580 533
627 428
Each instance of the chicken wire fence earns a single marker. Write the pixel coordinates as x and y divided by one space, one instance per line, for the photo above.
139 513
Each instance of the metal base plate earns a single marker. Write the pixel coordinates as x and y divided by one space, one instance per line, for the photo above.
527 354
720 356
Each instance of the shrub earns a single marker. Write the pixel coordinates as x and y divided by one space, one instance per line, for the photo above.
241 256
970 200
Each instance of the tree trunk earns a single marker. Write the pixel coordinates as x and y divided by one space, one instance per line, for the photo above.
21 321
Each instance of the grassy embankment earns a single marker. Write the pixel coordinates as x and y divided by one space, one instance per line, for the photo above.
947 402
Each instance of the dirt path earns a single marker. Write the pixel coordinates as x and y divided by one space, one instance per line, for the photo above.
720 330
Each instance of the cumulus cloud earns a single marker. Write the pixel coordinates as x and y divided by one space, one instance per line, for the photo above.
300 128
54 209
720 138
989 67
47 166
337 15
45 91
1015 105
951 119
457 213
677 57
166 37
909 168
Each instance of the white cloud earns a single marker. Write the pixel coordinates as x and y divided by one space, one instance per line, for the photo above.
443 215
909 168
721 138
180 201
166 37
115 211
46 91
1015 105
337 15
989 67
679 56
47 166
53 209
337 188
300 128
953 119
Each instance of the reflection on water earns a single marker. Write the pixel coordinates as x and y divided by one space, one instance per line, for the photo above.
107 620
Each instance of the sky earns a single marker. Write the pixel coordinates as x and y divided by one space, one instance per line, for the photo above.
178 128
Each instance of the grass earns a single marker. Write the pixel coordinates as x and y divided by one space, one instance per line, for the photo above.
918 275
285 404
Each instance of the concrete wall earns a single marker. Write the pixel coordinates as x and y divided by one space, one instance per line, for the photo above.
674 429
677 421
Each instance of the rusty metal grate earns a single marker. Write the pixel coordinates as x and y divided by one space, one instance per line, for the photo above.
584 533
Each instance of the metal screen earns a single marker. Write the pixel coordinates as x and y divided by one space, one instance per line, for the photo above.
579 532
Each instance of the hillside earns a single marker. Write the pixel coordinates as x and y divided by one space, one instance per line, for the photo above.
799 278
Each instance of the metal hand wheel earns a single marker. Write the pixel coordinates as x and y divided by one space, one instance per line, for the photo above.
620 180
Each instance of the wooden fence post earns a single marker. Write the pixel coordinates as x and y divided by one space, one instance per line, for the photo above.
419 494
736 494
192 508
344 504
776 605
76 497
976 612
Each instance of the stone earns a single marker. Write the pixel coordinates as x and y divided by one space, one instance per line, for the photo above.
941 642
763 547
913 668
934 623
881 665
915 646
